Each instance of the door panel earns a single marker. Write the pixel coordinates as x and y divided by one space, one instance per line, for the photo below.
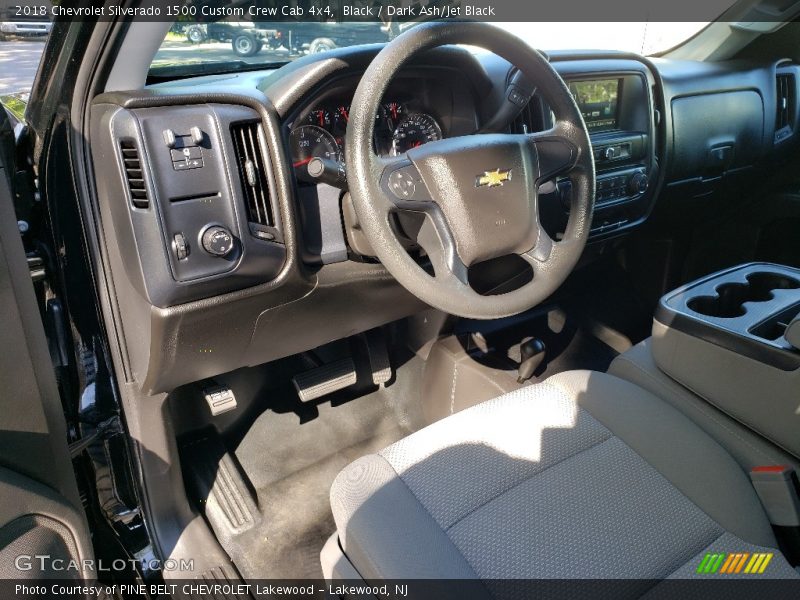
40 508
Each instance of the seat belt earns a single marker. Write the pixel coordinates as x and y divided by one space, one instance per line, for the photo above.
778 489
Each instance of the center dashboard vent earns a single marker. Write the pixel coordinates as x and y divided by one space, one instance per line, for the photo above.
252 168
533 118
133 173
526 121
785 92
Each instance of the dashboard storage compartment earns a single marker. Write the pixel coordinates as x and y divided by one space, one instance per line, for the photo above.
723 337
716 133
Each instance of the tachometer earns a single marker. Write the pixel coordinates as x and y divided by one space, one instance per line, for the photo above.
310 141
415 130
395 111
319 117
383 134
341 116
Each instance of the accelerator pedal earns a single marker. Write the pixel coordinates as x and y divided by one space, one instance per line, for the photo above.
325 379
380 367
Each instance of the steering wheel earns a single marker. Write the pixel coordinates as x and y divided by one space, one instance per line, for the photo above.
478 193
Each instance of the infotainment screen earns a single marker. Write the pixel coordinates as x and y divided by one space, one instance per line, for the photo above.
597 101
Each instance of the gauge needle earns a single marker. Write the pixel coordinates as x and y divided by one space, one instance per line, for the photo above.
346 116
305 161
321 117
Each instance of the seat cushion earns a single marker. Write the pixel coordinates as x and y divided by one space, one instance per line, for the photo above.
570 478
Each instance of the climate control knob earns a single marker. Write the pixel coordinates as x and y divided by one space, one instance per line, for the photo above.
637 184
217 240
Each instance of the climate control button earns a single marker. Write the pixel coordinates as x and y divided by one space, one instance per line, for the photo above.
637 184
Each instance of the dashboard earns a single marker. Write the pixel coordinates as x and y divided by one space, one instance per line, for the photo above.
423 105
220 246
400 125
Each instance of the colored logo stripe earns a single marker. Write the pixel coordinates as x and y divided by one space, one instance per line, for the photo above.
737 563
734 562
711 562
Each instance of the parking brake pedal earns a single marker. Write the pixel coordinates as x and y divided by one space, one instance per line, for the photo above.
325 379
220 399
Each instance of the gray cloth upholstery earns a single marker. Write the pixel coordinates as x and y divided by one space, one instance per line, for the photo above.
570 478
747 447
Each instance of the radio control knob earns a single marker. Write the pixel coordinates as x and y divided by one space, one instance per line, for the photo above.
637 184
217 241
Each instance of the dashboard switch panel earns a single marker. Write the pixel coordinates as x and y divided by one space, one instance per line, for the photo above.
193 239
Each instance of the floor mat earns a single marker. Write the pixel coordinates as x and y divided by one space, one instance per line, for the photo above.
297 515
289 458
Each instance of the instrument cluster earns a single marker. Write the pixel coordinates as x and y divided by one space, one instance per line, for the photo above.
399 127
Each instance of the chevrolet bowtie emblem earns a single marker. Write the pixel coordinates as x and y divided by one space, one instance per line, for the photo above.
494 178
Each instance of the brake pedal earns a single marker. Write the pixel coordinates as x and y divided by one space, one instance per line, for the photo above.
326 379
380 367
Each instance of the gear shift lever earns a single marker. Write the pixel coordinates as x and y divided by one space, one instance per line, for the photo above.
531 356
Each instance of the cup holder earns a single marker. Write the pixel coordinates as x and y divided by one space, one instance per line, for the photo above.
731 297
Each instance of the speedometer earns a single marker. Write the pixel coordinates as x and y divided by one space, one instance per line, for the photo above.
310 141
413 131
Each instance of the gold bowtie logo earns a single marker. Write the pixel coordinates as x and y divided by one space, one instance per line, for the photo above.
494 178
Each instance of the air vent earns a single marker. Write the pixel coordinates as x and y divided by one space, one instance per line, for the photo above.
531 119
524 121
784 109
253 174
133 173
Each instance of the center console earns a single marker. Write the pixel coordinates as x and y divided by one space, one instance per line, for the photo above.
731 338
619 139
617 106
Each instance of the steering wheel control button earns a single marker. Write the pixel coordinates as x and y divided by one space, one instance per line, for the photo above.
405 184
180 246
217 241
402 184
516 97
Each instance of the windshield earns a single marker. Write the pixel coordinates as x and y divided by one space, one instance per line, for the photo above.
193 48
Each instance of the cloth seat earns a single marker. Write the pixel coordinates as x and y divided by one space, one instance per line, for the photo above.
582 476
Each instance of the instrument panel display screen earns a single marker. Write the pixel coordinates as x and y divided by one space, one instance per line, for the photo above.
597 100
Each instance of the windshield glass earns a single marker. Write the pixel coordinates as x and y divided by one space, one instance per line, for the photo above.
191 47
